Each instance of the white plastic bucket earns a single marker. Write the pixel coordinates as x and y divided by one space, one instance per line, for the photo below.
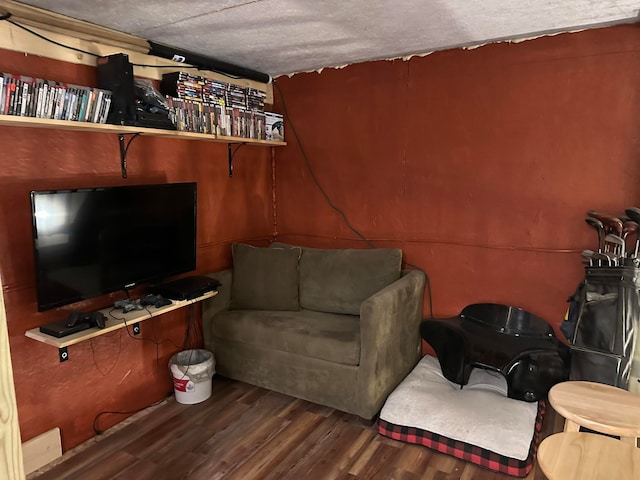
192 371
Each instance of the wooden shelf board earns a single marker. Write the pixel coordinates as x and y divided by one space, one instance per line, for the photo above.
122 320
30 122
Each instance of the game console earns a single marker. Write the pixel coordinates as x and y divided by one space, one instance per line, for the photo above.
128 305
154 300
76 322
150 300
115 73
186 288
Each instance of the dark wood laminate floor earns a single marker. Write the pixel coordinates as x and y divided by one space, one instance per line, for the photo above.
246 432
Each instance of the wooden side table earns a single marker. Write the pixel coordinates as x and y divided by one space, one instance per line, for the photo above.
587 456
599 407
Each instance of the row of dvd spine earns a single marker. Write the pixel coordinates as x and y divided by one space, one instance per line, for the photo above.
216 119
35 97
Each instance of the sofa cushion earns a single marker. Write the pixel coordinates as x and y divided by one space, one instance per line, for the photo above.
264 278
325 336
338 281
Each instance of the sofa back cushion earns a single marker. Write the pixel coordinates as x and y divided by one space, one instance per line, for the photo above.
338 281
264 278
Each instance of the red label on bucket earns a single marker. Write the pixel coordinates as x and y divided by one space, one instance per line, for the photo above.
180 384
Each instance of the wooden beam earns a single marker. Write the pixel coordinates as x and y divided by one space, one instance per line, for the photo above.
10 448
54 22
94 39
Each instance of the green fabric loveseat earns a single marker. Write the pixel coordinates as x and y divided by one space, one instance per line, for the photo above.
336 327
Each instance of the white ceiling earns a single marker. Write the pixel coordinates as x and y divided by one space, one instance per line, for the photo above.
287 36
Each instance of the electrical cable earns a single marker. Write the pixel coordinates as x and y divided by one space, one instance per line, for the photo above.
117 412
333 205
126 149
191 327
192 334
93 354
42 37
141 339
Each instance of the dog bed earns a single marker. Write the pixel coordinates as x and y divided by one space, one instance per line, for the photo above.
478 423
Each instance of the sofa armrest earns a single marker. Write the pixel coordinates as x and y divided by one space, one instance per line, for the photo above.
214 305
390 336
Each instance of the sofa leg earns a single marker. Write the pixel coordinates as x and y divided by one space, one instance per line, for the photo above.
369 422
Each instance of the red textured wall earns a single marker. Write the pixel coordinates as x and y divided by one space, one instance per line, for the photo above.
111 372
480 164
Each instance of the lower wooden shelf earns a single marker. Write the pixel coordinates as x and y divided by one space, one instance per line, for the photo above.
122 320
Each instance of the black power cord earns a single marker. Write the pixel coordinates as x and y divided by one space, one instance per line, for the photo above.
97 431
102 372
338 210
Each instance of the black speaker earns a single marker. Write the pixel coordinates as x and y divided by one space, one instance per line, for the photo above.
115 73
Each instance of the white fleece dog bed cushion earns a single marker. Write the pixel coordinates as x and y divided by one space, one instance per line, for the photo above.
480 414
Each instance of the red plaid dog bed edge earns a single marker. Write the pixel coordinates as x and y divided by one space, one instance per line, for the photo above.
465 451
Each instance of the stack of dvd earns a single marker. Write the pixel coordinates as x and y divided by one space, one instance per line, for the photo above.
214 92
204 105
255 103
236 100
236 96
255 99
183 85
39 98
192 116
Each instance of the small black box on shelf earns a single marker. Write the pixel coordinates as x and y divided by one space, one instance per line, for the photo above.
115 73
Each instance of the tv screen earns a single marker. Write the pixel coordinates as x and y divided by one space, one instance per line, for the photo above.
93 241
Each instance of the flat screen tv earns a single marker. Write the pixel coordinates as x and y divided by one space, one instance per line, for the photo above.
93 241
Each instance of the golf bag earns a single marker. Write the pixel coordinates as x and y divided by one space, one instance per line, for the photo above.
602 326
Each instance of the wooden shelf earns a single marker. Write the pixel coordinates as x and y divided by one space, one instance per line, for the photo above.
30 122
121 320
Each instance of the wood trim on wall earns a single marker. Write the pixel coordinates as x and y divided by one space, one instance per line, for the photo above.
11 465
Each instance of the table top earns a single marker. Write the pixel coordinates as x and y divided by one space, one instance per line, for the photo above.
597 406
588 456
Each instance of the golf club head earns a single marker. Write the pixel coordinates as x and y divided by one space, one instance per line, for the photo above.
599 226
587 257
633 213
617 242
604 259
629 227
612 224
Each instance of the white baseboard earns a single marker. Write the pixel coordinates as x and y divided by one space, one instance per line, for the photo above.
41 450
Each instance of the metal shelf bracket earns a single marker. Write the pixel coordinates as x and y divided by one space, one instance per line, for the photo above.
232 151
